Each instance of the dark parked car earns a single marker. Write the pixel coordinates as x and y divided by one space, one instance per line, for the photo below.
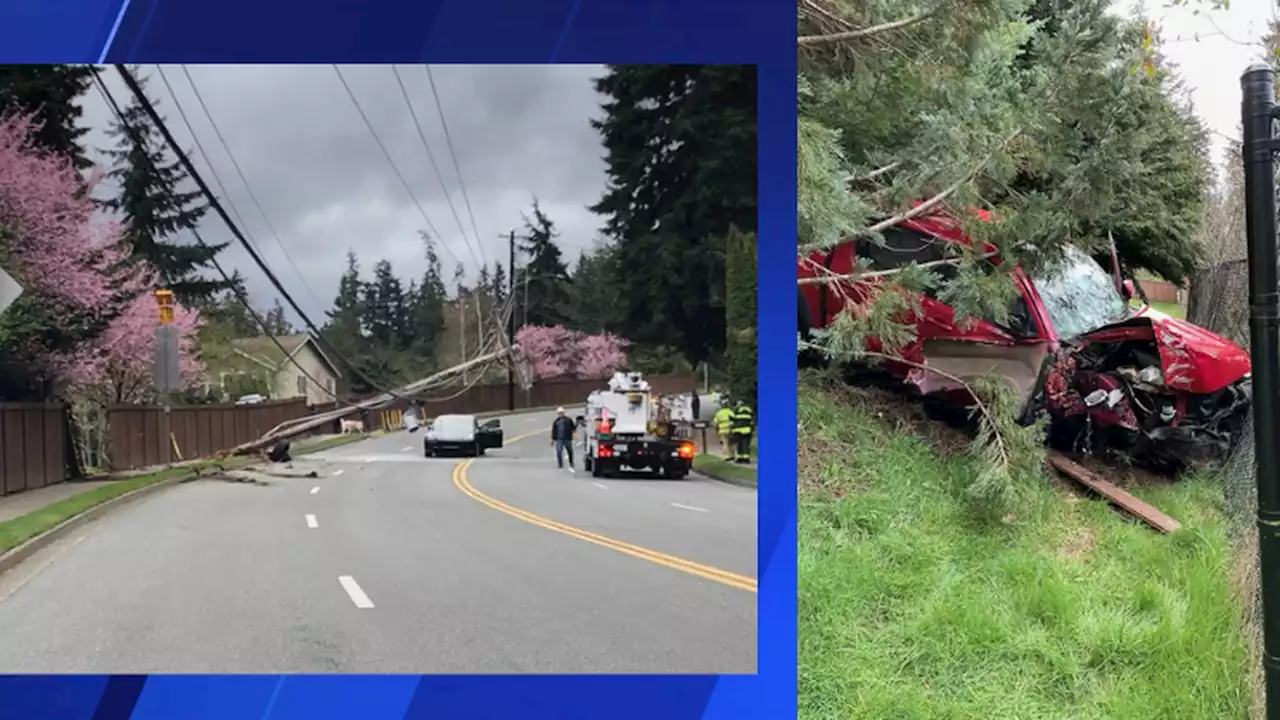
461 434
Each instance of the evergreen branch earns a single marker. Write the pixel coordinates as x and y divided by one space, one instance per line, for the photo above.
831 277
859 33
1005 458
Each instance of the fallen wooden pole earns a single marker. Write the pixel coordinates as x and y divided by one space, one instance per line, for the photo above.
316 421
1112 493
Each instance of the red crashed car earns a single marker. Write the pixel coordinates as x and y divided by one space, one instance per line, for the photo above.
1072 347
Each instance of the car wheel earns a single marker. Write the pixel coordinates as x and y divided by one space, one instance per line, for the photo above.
475 449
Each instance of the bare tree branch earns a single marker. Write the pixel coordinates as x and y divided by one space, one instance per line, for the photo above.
809 40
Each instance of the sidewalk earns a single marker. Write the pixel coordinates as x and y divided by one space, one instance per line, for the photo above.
18 504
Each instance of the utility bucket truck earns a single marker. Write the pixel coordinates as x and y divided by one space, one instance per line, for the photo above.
627 427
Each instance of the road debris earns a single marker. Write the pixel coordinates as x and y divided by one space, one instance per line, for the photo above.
1114 494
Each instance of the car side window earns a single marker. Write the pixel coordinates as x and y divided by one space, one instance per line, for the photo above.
1018 321
903 246
900 246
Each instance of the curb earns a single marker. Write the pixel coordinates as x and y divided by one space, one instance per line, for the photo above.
728 481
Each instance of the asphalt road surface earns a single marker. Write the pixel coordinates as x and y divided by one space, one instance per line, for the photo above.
390 562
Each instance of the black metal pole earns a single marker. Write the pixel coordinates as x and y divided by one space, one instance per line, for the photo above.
511 321
1258 107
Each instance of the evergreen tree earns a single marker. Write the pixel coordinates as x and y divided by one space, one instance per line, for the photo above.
344 326
595 295
276 322
154 209
428 306
680 150
384 308
50 94
1045 112
741 341
500 285
546 275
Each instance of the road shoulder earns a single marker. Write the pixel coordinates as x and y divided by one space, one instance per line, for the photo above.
717 468
22 535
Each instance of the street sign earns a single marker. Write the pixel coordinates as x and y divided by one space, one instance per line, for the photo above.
168 377
10 290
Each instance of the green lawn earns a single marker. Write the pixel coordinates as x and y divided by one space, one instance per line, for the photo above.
716 466
1174 309
909 609
20 529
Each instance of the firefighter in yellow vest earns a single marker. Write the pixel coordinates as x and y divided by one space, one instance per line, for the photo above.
743 428
724 424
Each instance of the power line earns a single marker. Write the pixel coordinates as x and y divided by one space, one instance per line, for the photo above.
385 153
235 290
417 124
200 148
158 122
449 142
245 181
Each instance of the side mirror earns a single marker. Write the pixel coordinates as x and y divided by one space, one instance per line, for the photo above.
1128 290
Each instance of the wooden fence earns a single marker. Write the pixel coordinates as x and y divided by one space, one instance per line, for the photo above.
1161 291
33 446
35 449
142 435
547 393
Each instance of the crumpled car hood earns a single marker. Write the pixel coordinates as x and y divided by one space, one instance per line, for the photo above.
1193 359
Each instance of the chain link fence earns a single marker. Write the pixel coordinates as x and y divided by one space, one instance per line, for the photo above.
1219 301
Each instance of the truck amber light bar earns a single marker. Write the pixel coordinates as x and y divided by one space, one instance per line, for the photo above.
686 450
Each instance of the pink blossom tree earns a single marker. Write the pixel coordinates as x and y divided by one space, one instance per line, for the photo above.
558 352
89 315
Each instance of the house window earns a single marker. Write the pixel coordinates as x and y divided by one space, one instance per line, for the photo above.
302 384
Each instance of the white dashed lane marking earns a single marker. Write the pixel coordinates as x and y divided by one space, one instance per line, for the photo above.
315 490
354 592
688 507
311 521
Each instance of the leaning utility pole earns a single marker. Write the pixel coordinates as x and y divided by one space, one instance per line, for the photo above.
1260 145
511 321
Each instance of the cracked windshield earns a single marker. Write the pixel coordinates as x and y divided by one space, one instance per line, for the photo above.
1079 295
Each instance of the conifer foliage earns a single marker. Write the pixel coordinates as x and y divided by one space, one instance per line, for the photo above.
1058 117
156 206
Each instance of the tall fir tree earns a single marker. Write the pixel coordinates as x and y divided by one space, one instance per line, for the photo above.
277 323
546 300
50 94
428 305
680 152
153 207
500 284
595 295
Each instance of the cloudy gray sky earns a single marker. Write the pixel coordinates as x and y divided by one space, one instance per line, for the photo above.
325 186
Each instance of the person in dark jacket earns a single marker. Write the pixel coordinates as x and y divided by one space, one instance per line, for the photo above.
562 430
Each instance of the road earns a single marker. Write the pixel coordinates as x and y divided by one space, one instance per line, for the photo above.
390 562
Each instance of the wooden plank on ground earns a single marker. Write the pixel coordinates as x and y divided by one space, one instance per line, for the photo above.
1112 493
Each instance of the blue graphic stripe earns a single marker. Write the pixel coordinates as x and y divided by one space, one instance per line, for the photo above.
119 697
115 26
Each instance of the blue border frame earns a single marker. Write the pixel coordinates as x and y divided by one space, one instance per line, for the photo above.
760 32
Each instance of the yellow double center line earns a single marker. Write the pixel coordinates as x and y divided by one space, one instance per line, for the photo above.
724 577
